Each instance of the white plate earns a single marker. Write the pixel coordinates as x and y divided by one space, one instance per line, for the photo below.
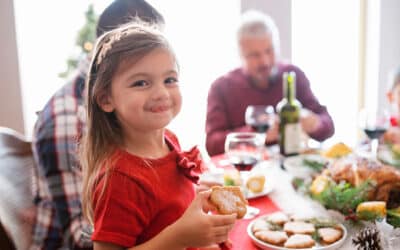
265 245
218 177
385 155
295 166
267 189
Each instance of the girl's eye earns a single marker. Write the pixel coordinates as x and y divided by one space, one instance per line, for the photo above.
171 80
141 83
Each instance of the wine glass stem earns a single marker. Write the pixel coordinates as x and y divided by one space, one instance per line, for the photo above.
374 148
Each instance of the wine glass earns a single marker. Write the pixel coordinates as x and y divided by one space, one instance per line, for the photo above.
374 123
260 117
244 150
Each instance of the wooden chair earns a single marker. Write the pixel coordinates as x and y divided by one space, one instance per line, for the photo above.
17 210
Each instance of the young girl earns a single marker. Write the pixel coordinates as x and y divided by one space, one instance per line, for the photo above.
138 188
392 135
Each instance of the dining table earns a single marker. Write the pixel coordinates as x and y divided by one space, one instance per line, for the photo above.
283 197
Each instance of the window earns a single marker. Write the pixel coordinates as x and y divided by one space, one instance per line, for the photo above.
46 33
326 46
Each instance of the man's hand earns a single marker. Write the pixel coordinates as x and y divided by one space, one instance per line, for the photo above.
310 122
273 132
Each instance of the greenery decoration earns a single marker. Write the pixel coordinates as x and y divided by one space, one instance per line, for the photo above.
85 41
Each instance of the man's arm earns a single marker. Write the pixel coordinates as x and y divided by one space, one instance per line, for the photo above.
56 151
217 122
325 128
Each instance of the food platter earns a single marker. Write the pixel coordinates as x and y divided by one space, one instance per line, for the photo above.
264 245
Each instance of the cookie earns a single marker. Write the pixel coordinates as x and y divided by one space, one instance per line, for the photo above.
272 237
279 218
260 225
299 241
329 234
229 200
299 227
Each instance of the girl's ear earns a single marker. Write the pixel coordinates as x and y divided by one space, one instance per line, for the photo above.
104 101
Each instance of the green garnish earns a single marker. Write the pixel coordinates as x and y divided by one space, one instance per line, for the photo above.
314 164
393 217
320 223
343 197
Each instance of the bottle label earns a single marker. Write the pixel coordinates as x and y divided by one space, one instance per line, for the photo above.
292 138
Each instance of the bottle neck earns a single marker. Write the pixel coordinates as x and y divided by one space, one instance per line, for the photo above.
290 87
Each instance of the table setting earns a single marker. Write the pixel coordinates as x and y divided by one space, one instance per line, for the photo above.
280 194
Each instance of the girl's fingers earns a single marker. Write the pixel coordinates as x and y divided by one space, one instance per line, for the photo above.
220 239
222 220
223 230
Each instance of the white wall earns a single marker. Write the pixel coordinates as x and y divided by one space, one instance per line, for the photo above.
10 91
389 57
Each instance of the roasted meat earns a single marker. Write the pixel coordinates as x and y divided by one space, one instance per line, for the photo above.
386 178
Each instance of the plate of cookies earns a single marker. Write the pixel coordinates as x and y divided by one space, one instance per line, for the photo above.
281 231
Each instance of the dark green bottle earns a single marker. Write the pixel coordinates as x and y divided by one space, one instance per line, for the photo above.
289 115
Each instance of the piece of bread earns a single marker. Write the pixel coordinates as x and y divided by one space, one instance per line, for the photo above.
272 237
329 234
229 200
256 183
299 227
299 241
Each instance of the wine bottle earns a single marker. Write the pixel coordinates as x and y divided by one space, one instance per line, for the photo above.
289 114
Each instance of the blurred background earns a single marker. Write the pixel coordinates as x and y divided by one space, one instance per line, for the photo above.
347 49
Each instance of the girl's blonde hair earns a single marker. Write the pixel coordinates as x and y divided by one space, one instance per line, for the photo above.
103 133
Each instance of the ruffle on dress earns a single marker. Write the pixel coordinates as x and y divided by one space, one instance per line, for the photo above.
191 163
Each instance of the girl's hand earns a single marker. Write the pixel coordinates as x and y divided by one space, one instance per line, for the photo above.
196 228
206 185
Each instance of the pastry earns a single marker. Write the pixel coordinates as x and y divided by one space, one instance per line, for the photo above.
272 237
329 234
299 241
299 227
229 200
279 218
256 183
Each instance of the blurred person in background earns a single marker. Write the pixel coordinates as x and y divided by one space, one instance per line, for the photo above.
259 82
59 220
392 135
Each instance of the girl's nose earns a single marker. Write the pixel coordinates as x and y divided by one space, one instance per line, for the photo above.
160 92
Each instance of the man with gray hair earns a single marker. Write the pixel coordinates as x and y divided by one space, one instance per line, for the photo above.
259 82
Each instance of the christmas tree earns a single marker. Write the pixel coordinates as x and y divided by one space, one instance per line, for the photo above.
84 41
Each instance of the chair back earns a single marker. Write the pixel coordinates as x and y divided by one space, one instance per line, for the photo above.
17 210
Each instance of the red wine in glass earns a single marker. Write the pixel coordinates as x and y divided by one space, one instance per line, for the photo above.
260 127
243 163
374 123
259 117
374 133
